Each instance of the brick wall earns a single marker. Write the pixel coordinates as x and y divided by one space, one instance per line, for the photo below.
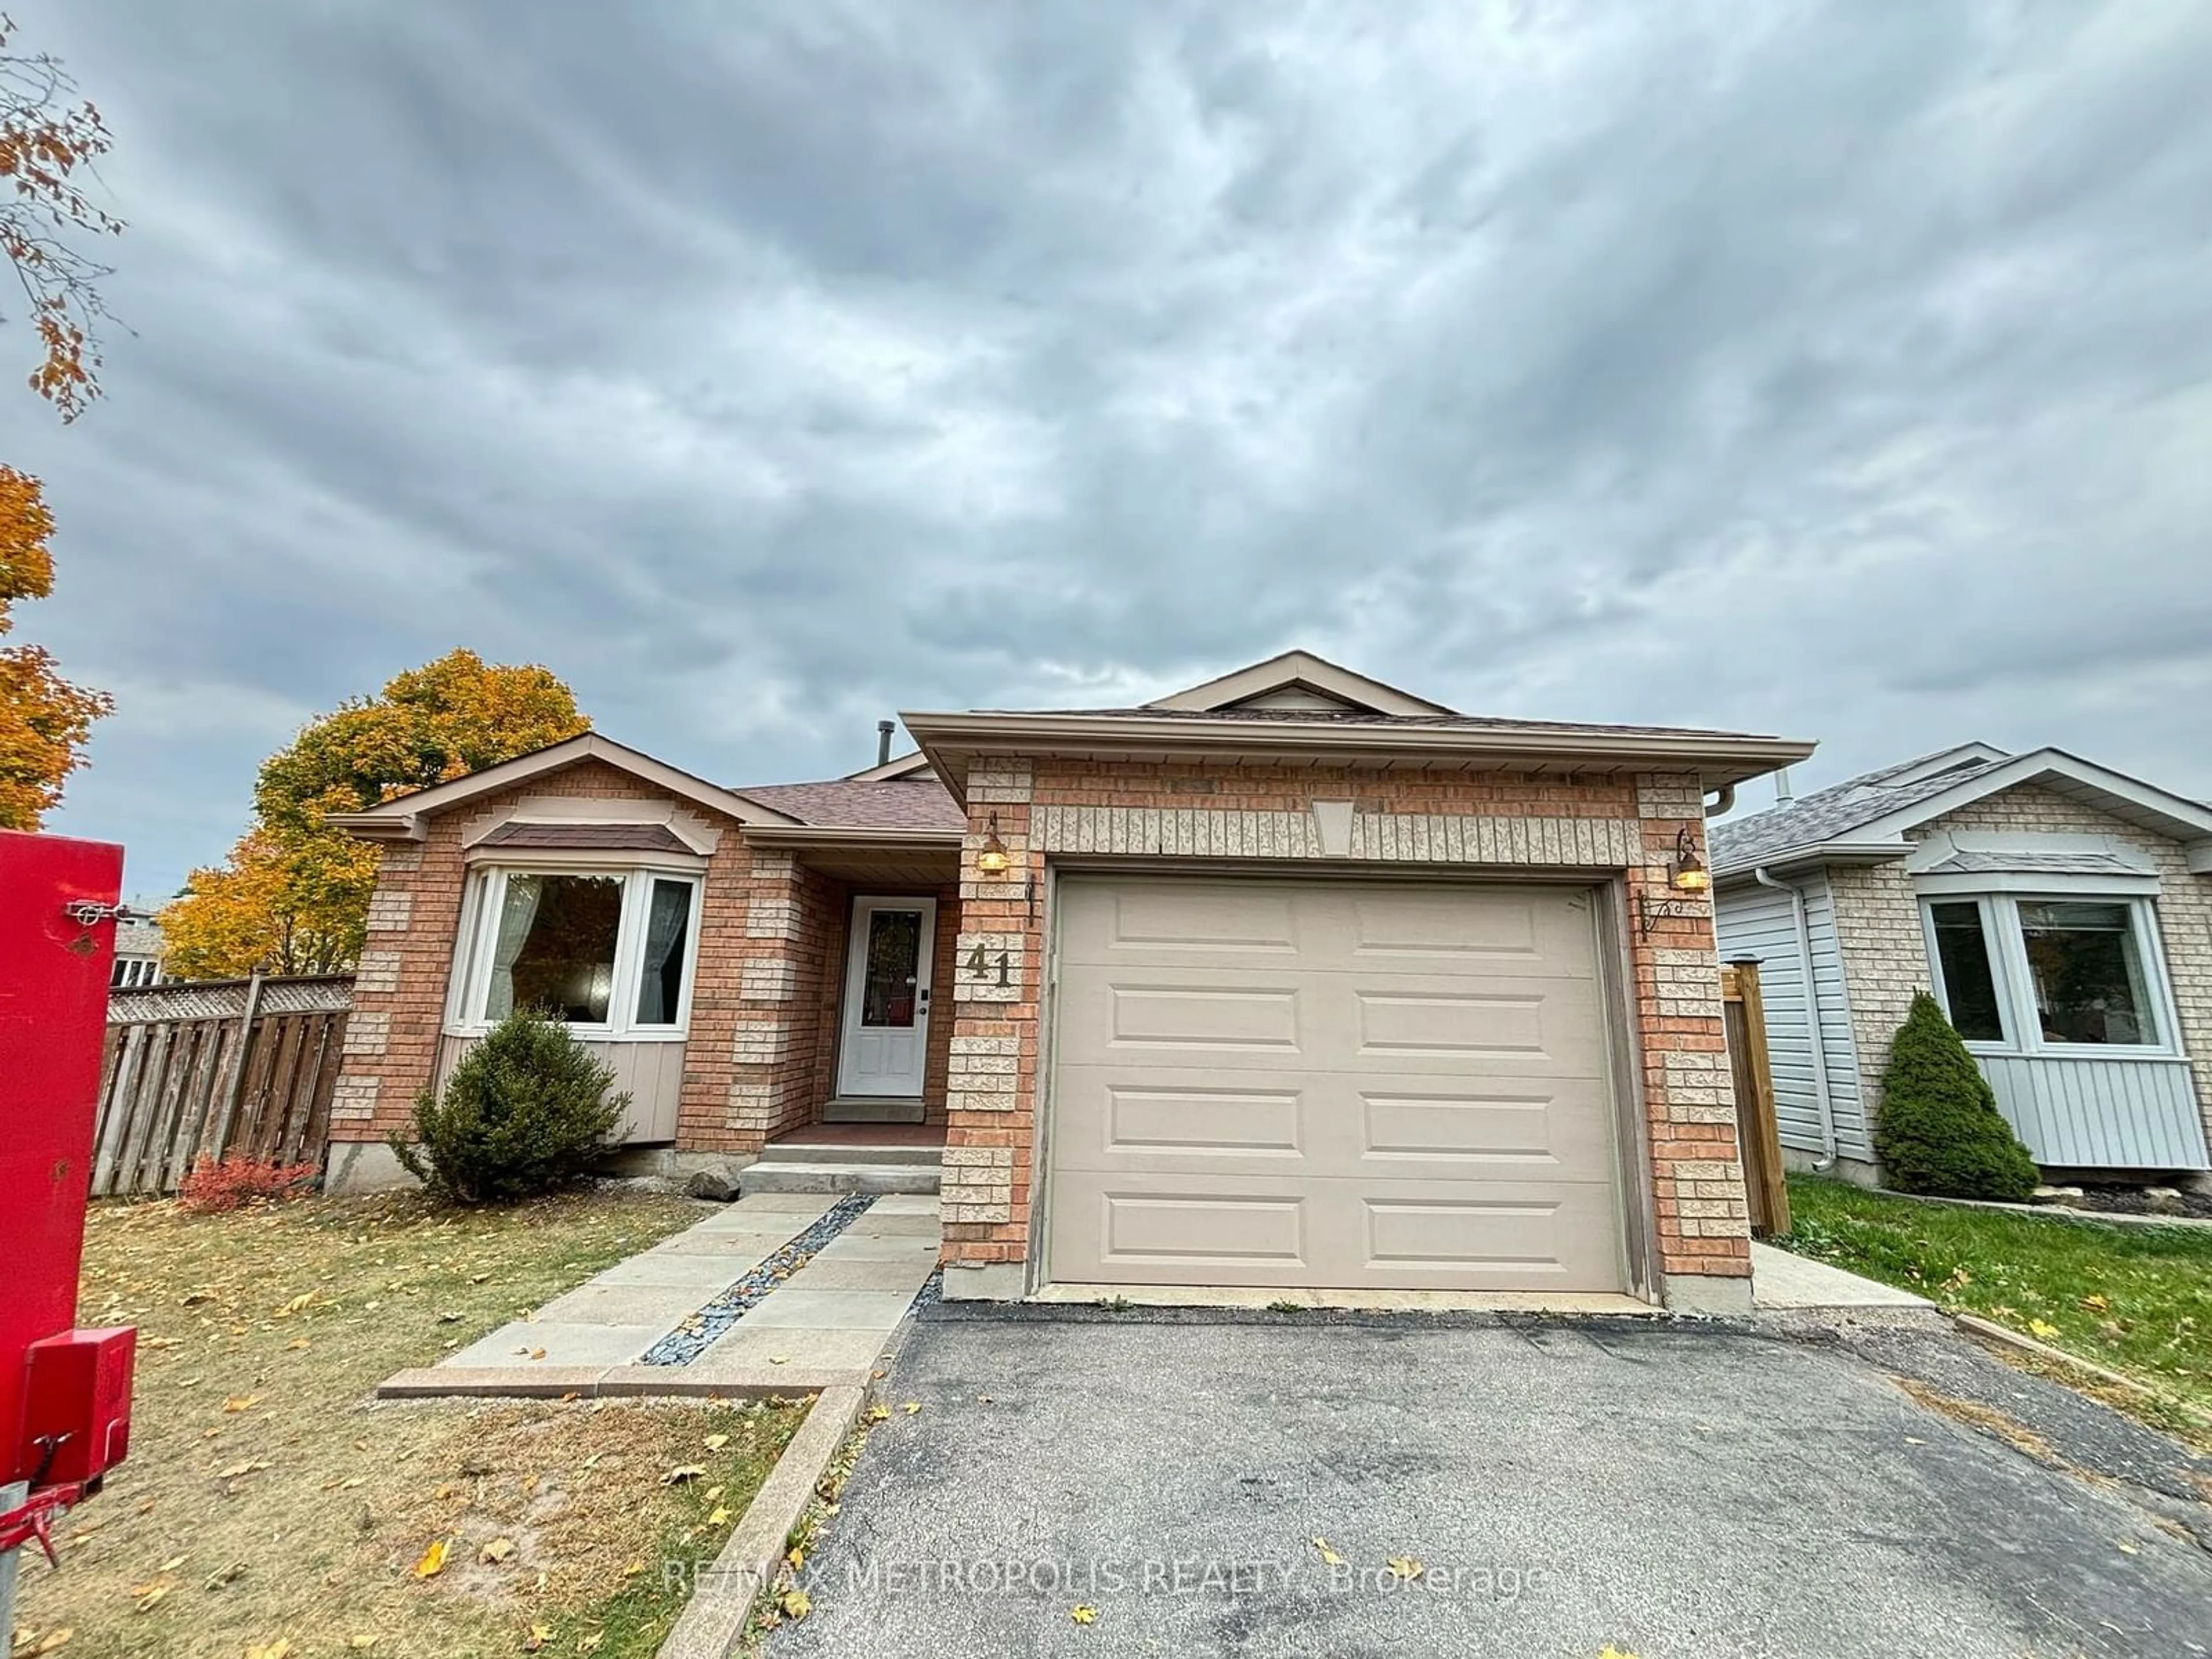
1886 952
1501 823
738 1078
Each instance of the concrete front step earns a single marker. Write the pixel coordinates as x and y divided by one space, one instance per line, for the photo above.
771 1175
790 1151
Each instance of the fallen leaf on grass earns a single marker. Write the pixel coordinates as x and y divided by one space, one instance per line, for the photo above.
1328 1554
275 1649
171 1563
150 1596
295 1305
2128 1546
1083 1613
2042 1329
52 1639
713 1494
796 1604
361 1644
591 1644
539 1637
497 1551
716 1442
676 1477
720 1517
241 1403
433 1561
296 1344
795 1557
251 1465
2096 1303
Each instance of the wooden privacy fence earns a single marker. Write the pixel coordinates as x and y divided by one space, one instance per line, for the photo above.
1757 1131
241 1067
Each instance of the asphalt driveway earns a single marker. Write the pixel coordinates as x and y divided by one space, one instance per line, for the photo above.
1669 1490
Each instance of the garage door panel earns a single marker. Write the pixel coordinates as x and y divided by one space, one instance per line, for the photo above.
1415 1090
1217 1230
1474 1133
1326 1020
1146 1122
1224 924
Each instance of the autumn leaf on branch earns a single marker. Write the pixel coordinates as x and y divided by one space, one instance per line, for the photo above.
49 145
44 721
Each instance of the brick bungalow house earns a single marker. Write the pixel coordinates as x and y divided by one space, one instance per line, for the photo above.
1290 979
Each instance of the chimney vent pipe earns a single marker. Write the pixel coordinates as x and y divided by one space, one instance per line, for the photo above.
884 730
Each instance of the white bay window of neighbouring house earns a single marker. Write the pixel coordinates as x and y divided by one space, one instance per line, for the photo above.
608 951
2041 973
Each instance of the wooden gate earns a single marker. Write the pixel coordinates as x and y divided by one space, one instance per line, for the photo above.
1757 1132
242 1067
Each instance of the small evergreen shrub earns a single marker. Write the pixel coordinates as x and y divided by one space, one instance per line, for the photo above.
1939 1130
524 1111
213 1188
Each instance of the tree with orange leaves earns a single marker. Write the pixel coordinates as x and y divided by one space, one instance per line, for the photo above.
293 893
43 719
48 146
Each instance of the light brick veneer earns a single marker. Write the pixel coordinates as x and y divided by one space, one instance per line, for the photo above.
1886 952
1497 822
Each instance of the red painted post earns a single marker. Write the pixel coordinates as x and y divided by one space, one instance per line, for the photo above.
57 901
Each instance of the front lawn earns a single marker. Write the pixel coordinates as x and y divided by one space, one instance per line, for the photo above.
267 1501
2136 1299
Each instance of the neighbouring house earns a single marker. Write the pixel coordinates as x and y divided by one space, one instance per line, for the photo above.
1291 978
2060 911
137 949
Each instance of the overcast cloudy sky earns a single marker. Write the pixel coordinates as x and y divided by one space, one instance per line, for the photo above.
1839 370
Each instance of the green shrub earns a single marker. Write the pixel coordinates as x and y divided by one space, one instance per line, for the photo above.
524 1111
1939 1130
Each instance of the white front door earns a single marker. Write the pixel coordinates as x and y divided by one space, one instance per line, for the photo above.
886 1041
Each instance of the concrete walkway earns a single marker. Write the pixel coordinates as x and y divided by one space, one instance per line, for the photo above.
1780 1279
827 1325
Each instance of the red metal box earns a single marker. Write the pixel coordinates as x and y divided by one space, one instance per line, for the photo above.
76 1405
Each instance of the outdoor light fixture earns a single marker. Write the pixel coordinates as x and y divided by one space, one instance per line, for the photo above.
1687 877
1690 875
994 860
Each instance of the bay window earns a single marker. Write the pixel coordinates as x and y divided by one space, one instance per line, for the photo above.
607 952
2040 975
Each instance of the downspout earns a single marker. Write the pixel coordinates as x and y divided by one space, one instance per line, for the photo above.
1817 1037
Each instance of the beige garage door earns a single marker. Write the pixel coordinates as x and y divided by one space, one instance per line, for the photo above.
1338 1084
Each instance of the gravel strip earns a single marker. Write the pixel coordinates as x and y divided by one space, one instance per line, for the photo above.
688 1340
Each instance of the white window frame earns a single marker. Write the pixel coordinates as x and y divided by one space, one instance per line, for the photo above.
2007 945
470 982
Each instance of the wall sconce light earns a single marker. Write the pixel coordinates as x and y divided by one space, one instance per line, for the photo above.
1690 874
993 862
1687 875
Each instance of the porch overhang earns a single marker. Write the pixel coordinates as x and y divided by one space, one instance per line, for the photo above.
890 858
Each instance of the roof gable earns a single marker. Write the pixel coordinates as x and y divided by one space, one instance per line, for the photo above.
1298 679
401 817
1867 815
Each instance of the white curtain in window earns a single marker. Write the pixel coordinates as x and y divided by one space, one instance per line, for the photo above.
663 949
515 916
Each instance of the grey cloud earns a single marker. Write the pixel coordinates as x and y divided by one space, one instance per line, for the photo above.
1828 367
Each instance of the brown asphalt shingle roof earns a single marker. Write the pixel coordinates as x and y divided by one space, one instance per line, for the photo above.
916 803
632 837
